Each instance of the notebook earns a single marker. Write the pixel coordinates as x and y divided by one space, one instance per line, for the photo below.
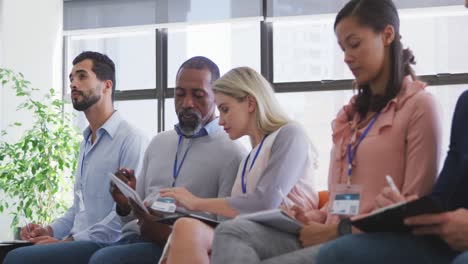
390 219
275 218
127 190
15 242
169 219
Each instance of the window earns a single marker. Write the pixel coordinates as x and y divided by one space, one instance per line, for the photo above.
229 45
133 54
142 114
305 49
438 38
315 111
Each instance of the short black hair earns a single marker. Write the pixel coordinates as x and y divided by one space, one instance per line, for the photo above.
201 63
103 66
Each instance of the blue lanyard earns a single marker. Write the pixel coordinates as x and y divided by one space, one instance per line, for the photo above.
352 154
244 183
176 169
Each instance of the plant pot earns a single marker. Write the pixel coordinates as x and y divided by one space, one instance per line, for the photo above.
16 233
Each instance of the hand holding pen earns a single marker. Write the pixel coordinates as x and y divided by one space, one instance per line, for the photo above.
298 212
392 185
286 201
127 176
391 195
32 230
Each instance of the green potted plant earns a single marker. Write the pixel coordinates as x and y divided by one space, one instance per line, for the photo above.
36 171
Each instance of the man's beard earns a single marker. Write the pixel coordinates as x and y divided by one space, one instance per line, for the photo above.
190 122
87 101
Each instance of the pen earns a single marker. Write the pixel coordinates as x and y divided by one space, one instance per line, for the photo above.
392 185
286 200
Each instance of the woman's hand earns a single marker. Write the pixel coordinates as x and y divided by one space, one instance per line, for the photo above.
388 197
183 197
306 217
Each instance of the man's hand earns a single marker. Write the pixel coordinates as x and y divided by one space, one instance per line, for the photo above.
315 234
388 197
182 196
127 176
141 215
450 226
32 230
149 227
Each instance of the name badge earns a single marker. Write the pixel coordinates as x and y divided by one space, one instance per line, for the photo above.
346 204
164 204
346 200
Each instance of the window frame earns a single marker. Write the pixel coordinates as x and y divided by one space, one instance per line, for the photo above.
161 91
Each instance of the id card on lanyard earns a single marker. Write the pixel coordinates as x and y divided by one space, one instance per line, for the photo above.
346 198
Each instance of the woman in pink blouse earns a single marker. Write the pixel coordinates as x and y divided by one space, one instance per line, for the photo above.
390 127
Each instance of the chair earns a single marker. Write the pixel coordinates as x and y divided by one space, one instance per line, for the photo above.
324 196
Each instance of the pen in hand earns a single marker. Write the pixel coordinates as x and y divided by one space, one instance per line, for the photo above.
392 185
285 199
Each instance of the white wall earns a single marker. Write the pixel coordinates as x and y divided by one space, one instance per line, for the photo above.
30 43
1 48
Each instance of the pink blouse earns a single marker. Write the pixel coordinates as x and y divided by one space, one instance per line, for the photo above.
404 142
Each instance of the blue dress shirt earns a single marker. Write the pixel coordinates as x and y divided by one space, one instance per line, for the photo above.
92 215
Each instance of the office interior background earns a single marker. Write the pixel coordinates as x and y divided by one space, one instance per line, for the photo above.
291 42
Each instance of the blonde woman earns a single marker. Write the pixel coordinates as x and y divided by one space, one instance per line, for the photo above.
281 158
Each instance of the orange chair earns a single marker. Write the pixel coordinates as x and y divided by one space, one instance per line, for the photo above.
323 198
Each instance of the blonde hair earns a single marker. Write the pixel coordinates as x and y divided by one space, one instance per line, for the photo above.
243 81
